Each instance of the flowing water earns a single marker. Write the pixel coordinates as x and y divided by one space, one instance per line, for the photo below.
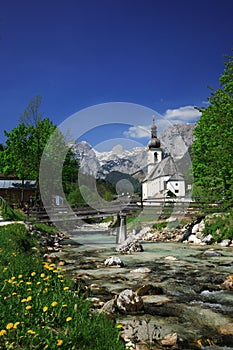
189 300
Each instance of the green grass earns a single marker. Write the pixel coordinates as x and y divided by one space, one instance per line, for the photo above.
8 213
220 226
40 226
39 309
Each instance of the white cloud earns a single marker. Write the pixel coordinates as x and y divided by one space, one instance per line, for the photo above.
138 132
186 114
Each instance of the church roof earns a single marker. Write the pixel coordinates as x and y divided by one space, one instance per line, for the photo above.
166 167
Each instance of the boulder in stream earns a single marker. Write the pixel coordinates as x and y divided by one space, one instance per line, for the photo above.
211 253
129 302
114 261
130 245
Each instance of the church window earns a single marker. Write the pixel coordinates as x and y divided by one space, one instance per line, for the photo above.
155 156
176 191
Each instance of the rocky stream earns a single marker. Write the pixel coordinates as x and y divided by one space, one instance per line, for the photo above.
168 296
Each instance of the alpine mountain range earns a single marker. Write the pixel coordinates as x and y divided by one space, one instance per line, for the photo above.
176 140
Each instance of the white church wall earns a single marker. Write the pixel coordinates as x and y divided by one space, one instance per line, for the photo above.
177 187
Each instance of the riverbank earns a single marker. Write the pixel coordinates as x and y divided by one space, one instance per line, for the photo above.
40 307
187 303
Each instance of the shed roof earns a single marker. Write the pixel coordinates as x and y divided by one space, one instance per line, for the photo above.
10 184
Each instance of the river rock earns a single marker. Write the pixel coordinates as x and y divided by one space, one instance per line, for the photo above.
141 270
225 243
209 239
109 307
148 289
114 261
226 329
170 258
211 253
228 283
169 339
195 229
129 302
193 239
129 246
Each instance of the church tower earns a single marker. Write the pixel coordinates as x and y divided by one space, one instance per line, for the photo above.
155 153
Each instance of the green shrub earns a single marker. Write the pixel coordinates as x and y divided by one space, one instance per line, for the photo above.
220 226
159 225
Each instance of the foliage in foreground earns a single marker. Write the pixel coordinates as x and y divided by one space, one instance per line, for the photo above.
212 148
220 226
39 310
8 213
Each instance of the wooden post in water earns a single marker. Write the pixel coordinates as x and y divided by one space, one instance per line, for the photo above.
121 229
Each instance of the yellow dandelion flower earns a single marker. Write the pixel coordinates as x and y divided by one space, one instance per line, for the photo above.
54 303
30 331
29 298
64 305
45 290
28 283
14 293
119 326
61 263
68 319
60 276
16 325
24 300
29 307
2 332
42 275
66 288
10 325
38 283
5 269
20 276
59 342
45 308
33 274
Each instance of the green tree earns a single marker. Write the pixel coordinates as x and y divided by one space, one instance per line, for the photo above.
15 155
25 145
212 149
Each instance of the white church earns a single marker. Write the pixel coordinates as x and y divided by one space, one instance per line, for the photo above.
163 178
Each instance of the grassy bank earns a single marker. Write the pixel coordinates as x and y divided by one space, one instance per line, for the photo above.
39 309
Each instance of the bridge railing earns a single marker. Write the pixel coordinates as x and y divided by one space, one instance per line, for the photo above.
133 207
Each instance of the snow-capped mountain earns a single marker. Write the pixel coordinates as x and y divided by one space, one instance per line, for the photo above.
99 164
175 140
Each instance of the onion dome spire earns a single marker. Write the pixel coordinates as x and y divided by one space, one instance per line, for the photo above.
154 141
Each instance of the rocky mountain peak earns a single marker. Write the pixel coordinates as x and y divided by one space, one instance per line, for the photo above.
175 140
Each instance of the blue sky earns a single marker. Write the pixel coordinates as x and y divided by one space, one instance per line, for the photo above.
79 53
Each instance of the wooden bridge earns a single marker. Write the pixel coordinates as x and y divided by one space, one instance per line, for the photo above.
64 216
133 207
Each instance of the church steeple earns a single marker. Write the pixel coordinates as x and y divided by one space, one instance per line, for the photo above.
154 141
